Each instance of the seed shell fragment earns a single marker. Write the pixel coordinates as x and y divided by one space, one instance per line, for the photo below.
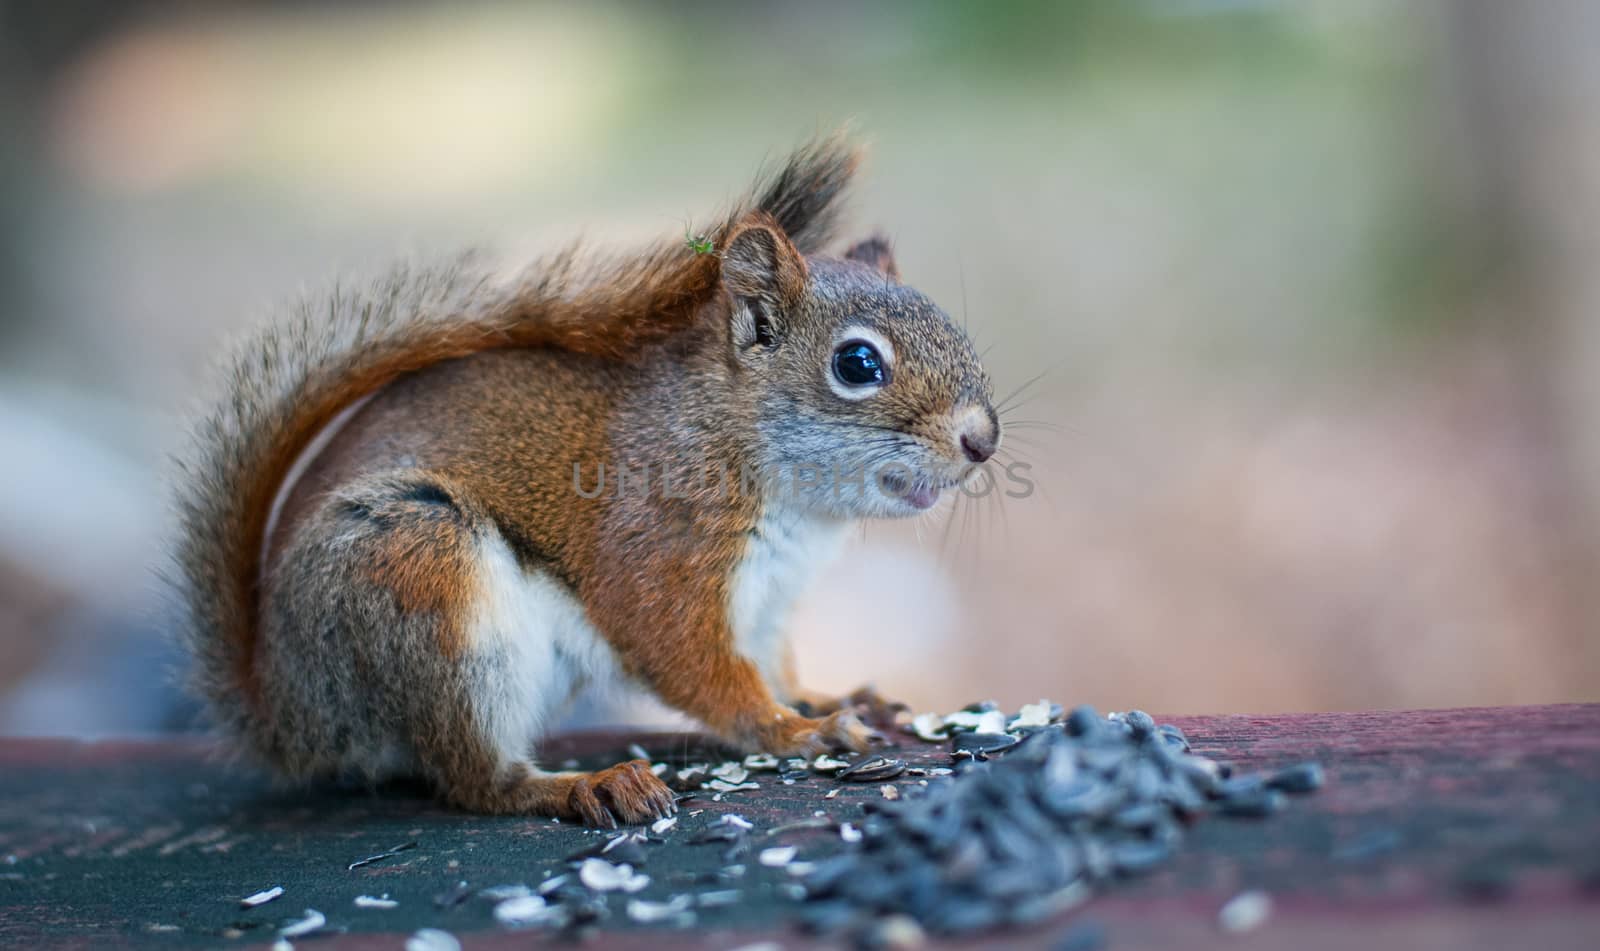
262 897
601 876
1244 912
313 921
432 939
370 901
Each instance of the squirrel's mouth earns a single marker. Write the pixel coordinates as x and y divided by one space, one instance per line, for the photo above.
920 492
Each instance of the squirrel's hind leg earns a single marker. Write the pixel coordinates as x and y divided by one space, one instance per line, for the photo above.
402 636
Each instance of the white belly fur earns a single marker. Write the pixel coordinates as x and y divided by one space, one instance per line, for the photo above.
533 647
786 551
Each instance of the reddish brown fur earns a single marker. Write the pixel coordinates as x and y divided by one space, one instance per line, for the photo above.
480 400
430 571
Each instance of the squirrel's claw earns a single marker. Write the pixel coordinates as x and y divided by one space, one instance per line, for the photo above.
866 702
628 793
839 731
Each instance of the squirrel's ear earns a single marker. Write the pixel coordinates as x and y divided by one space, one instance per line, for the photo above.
765 275
875 252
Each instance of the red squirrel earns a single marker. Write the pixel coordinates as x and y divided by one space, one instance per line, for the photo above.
428 512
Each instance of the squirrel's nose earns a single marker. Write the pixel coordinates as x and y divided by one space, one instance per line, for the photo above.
980 438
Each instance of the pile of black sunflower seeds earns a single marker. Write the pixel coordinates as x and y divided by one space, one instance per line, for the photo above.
1039 813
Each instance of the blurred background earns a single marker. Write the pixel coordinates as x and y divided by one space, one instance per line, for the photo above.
1308 293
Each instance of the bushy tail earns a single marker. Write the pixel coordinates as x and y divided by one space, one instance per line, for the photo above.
287 383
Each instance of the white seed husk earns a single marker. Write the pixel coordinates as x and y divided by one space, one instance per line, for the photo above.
312 921
527 910
652 912
929 727
1244 912
432 939
371 901
601 876
261 897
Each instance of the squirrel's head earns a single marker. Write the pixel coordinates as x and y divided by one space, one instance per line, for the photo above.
869 399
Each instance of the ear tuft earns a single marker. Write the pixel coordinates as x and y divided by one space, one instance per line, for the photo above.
760 263
875 252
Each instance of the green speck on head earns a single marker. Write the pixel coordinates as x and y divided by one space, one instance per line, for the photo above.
698 243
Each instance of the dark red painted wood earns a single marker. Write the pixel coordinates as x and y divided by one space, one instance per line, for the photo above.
1437 829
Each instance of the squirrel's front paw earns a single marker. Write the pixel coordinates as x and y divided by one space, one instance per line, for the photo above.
627 792
794 735
865 701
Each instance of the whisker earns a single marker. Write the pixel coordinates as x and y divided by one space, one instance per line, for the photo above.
1034 424
961 272
1005 403
1015 440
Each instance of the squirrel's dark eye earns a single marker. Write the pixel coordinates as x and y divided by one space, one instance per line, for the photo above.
858 364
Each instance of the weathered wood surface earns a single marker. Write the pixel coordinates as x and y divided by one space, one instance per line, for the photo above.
1451 829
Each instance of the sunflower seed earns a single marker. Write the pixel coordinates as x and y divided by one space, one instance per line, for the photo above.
1081 721
1254 805
975 744
1136 858
1299 778
871 768
1173 737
